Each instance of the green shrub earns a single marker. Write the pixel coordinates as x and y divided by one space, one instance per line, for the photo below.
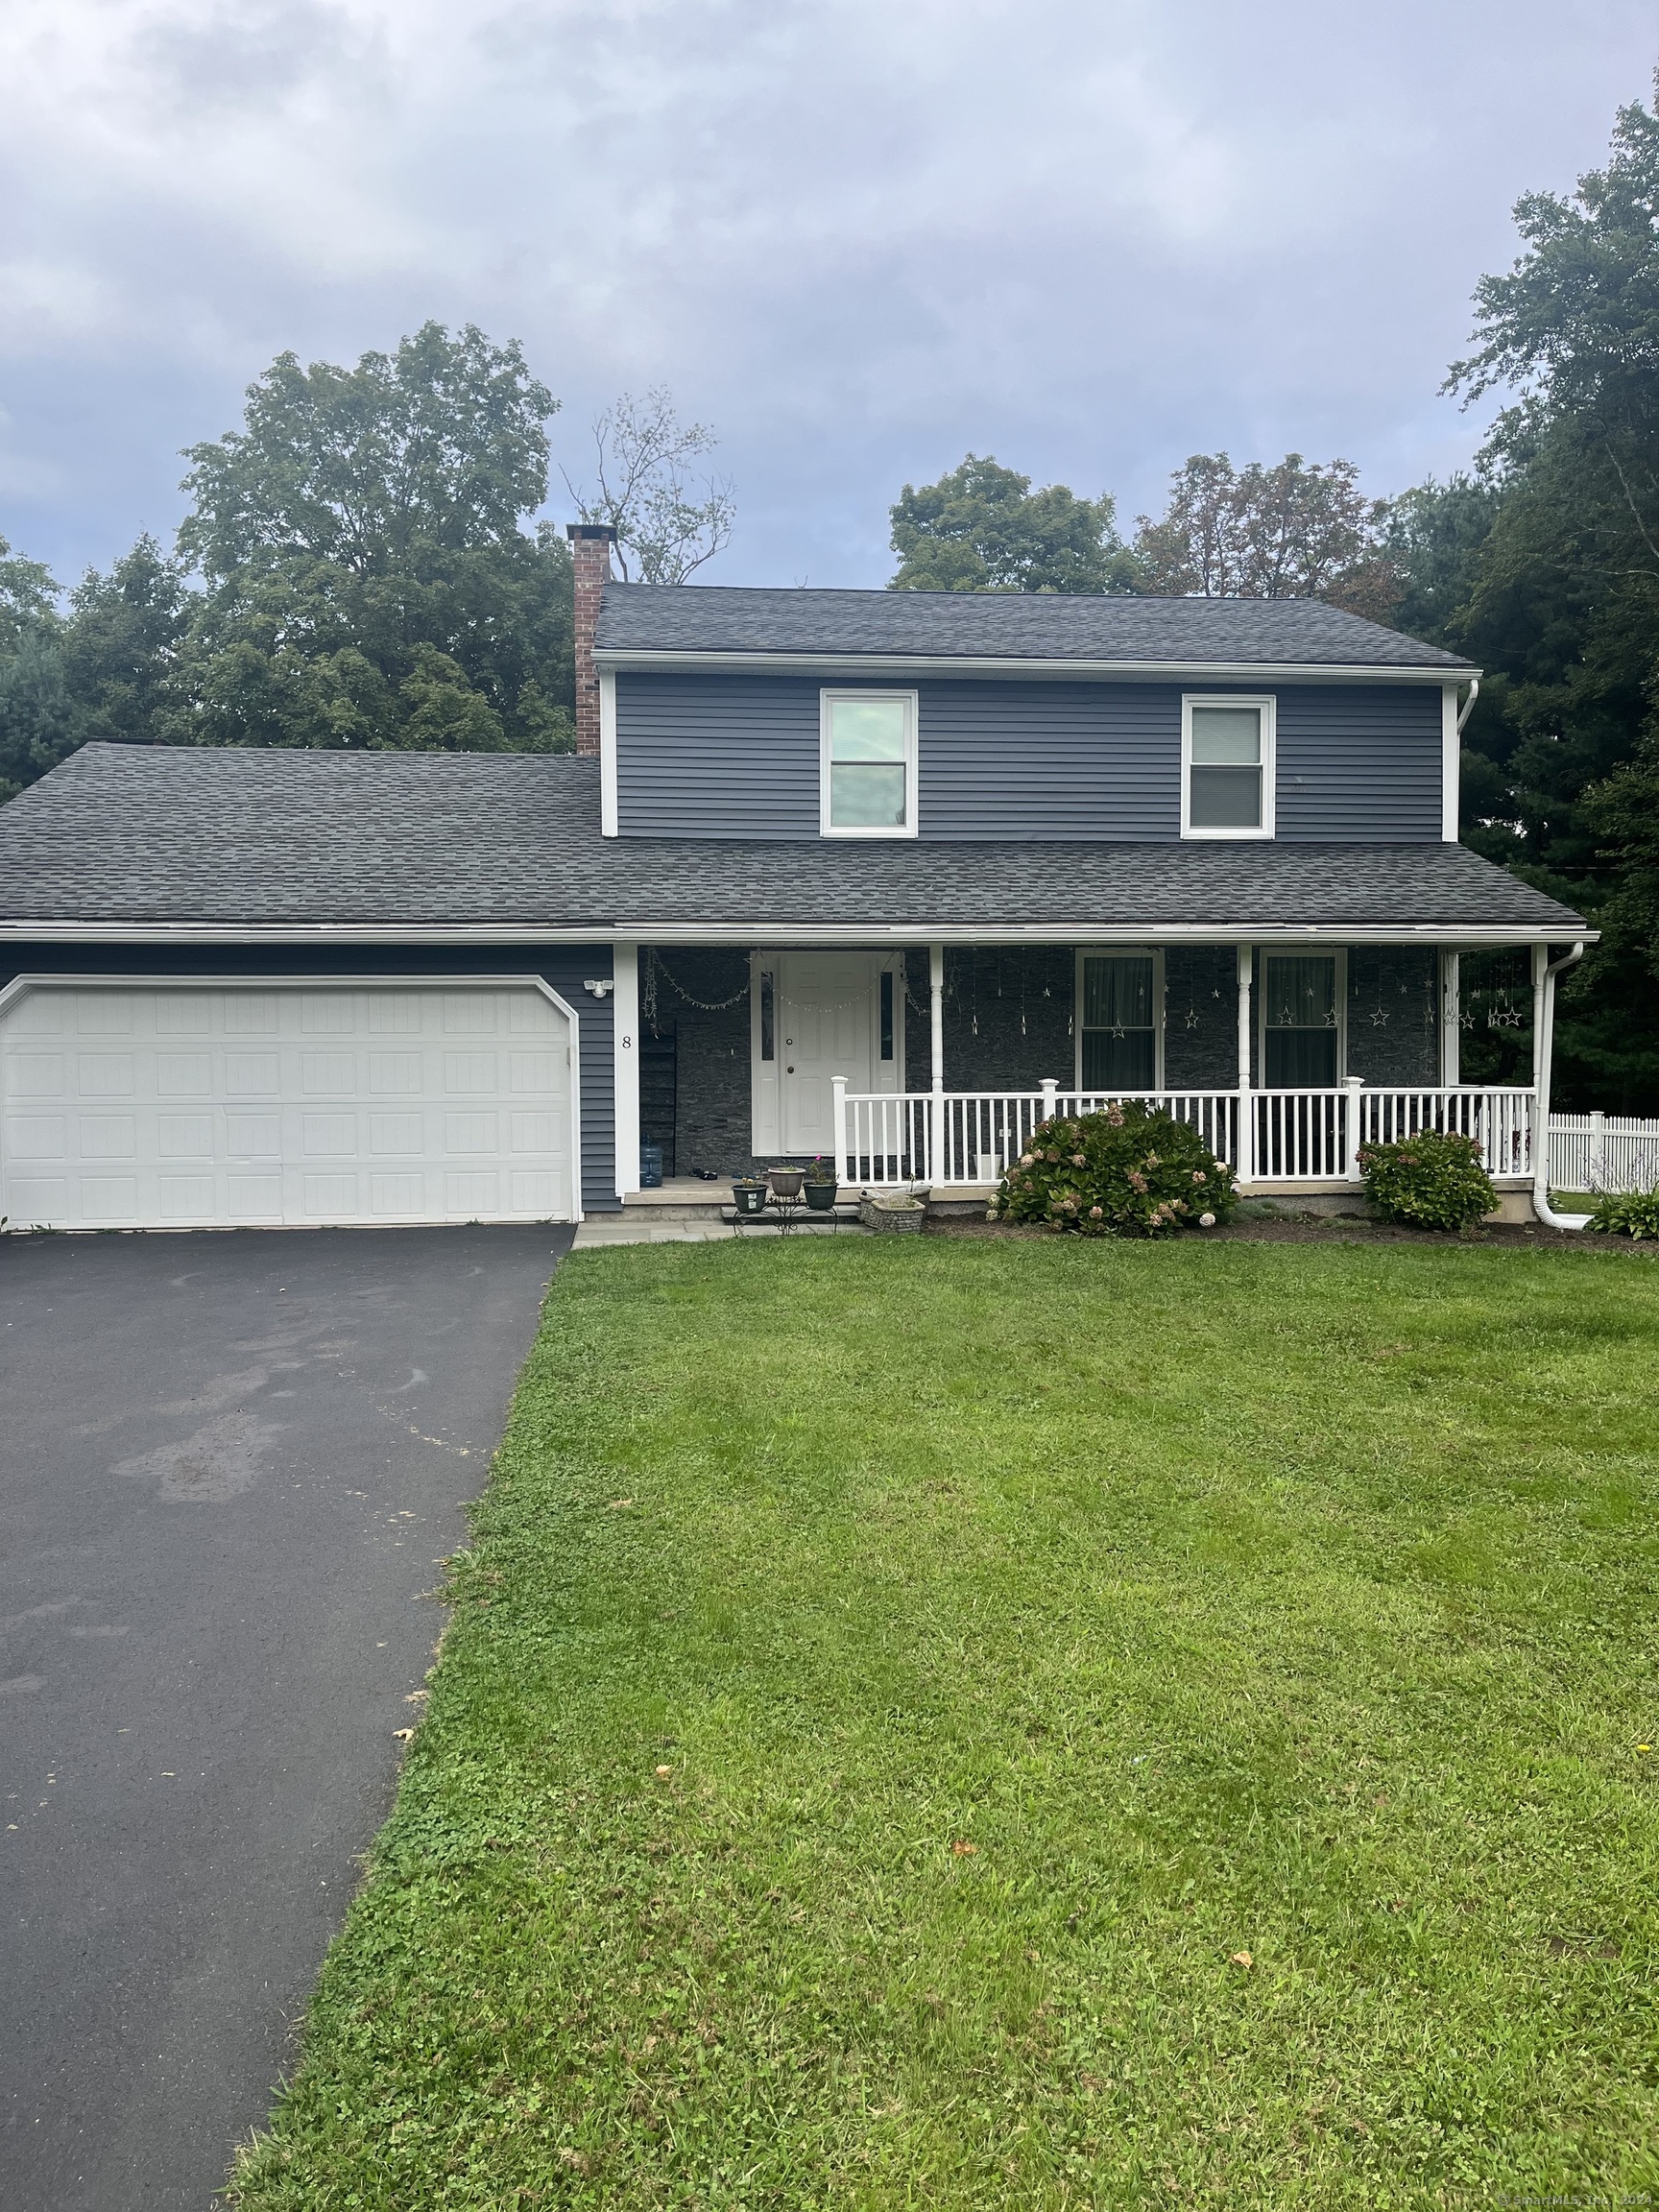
1433 1180
1130 1172
1627 1213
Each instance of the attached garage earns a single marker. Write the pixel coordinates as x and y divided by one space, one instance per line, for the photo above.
169 1103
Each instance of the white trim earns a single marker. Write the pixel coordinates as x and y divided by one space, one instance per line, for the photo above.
828 699
625 1064
1451 1019
492 937
1152 952
20 985
1338 953
1451 752
1265 705
838 667
608 804
766 1087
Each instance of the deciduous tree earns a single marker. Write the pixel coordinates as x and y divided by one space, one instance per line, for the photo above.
982 528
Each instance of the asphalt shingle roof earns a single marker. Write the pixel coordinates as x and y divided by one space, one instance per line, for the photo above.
1002 625
139 835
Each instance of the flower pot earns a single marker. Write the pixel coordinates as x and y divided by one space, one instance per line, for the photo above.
749 1197
821 1196
786 1182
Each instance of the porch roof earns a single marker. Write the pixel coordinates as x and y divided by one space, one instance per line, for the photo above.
170 840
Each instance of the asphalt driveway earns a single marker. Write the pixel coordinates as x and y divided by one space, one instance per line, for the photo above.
229 1465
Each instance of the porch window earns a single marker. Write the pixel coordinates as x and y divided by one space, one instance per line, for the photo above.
868 764
1226 767
1299 1023
1120 1024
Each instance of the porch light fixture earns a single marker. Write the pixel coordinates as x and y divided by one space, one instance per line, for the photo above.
601 986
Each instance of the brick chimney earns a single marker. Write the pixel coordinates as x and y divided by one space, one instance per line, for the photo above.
591 544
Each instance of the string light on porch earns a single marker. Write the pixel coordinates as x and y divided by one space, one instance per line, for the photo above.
656 972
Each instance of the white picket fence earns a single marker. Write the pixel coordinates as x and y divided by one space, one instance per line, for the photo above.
967 1137
1602 1152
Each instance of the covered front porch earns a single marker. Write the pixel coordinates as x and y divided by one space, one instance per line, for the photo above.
932 1065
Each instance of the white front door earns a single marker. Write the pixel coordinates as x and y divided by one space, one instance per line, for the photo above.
825 1028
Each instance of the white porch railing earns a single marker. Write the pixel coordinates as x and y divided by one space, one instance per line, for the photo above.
1602 1152
967 1137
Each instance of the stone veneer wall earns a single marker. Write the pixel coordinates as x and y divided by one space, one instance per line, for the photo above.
1201 1018
711 1101
1394 1013
1008 1022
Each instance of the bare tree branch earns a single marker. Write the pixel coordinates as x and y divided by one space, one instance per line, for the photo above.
670 520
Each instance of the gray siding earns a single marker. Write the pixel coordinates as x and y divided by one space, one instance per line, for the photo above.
1358 764
724 755
565 968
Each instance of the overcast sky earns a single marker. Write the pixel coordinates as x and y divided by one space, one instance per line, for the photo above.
858 237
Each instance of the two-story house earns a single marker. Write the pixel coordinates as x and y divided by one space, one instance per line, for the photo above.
866 873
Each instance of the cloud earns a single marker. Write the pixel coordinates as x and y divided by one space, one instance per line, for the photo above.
859 237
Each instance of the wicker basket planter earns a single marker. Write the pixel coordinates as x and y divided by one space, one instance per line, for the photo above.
904 1214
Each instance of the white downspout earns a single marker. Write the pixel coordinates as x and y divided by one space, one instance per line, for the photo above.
1543 1046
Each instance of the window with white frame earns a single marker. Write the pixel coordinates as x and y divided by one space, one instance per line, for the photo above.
1119 1030
867 776
1226 767
1301 1029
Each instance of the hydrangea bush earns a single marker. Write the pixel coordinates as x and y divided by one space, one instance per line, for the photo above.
1129 1171
1433 1180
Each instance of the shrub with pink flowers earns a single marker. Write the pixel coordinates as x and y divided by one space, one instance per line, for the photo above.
1130 1172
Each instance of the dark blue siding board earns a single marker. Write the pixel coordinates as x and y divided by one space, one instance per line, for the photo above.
718 755
1037 760
1359 764
564 967
725 756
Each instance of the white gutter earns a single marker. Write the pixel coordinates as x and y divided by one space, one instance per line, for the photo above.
1544 1004
1468 707
761 930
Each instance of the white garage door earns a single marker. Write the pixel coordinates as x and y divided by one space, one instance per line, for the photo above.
147 1106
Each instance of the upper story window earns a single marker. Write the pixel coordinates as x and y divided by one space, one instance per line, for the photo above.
867 773
1226 766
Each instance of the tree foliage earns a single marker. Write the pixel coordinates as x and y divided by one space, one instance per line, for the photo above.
982 528
1298 530
1558 596
368 581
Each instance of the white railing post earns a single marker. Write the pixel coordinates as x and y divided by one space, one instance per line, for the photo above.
1245 1165
1051 1097
1352 1085
936 1163
839 1114
1598 1149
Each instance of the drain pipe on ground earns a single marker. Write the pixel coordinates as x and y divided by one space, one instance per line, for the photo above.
1544 1013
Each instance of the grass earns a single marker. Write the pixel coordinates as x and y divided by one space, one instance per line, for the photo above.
962 1724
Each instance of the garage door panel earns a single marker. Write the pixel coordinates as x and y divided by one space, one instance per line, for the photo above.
179 1137
253 1135
208 1104
108 1137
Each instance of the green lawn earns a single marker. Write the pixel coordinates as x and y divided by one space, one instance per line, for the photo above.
965 1724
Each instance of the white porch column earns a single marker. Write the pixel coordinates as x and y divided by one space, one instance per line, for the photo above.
936 1047
839 1114
1246 1161
625 1060
1451 1019
1540 968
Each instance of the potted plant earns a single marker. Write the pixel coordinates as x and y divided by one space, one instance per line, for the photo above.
821 1185
786 1181
749 1193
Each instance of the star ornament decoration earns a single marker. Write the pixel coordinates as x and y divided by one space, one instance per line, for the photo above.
1380 1018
